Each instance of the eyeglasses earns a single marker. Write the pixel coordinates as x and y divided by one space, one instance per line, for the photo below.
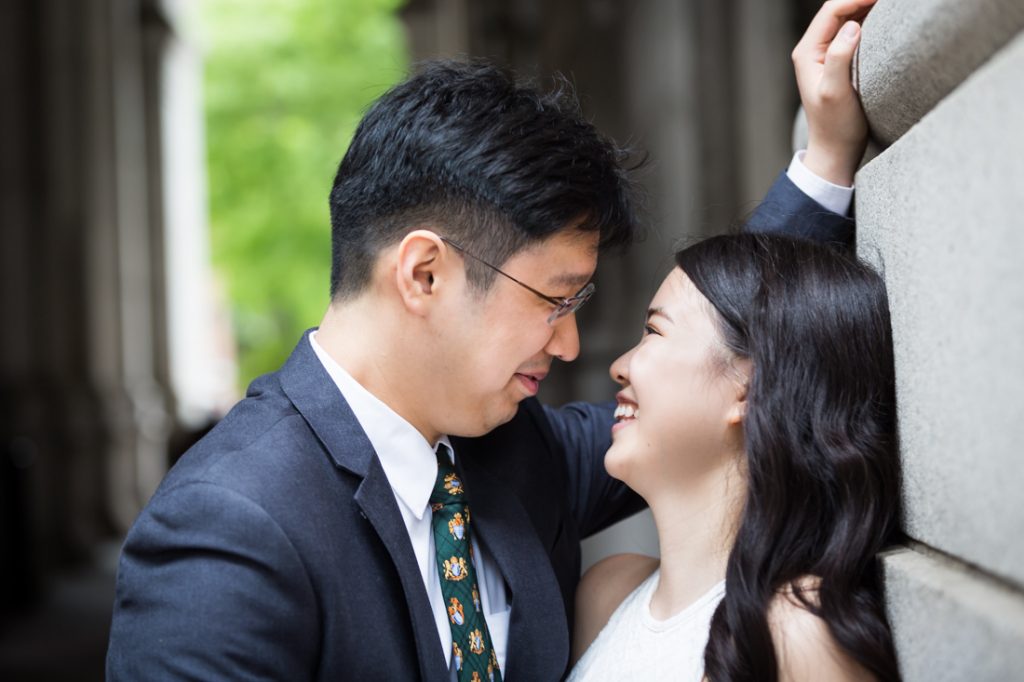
563 306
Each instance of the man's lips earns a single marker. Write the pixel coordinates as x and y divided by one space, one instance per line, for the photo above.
531 380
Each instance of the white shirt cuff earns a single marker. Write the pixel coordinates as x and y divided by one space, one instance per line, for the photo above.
835 198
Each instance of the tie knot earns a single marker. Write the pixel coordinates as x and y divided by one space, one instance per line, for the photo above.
448 488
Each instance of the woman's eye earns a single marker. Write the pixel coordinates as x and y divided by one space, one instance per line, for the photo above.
648 329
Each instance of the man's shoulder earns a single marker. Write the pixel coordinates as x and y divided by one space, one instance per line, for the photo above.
261 473
263 450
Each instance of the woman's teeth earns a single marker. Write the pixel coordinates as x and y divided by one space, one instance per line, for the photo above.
624 411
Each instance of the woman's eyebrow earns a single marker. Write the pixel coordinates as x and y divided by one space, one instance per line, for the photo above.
659 311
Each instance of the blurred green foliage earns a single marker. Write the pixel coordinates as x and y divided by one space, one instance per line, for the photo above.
286 82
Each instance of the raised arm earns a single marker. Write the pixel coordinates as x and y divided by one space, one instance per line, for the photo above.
811 199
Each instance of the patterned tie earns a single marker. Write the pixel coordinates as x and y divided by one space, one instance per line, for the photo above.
472 651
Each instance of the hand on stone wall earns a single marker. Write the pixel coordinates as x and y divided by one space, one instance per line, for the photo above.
837 128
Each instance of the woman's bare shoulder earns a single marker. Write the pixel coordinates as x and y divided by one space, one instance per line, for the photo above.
600 592
804 646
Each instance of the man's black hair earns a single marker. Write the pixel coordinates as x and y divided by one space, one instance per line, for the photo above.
491 163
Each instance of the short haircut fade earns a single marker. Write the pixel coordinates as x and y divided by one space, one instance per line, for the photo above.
489 162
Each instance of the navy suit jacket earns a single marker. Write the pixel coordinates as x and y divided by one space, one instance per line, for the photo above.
275 549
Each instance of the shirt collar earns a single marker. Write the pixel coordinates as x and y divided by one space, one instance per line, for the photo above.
408 460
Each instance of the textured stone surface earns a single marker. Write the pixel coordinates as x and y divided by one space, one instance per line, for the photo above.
941 211
950 623
912 54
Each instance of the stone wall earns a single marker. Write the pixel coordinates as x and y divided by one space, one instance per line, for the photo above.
939 212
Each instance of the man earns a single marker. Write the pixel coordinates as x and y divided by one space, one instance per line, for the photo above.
394 503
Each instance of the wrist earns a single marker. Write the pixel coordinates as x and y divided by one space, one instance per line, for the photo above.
835 167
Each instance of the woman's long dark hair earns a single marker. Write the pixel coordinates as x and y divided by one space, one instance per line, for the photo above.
822 466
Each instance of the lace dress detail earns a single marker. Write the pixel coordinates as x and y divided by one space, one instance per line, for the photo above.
636 646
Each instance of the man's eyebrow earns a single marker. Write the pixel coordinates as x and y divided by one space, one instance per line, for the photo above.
659 311
568 279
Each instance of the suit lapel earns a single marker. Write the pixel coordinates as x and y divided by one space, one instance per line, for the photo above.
538 646
309 387
377 501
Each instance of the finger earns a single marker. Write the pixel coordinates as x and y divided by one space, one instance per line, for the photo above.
823 28
830 17
835 78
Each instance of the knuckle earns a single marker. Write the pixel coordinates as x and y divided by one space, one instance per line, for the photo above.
829 94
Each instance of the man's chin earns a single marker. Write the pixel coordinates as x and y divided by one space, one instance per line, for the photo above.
489 422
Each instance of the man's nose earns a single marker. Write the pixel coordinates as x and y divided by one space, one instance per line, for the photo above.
565 340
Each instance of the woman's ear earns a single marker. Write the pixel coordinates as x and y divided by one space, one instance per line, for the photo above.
743 369
737 413
419 268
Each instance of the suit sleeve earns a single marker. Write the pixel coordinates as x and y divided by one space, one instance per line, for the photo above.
203 574
787 210
596 499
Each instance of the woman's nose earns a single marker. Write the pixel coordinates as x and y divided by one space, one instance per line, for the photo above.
619 370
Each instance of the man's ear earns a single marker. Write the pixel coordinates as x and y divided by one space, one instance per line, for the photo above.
420 269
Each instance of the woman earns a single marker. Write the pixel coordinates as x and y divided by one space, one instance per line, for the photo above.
757 418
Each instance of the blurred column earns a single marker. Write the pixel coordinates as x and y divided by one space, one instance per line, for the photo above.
197 345
122 264
437 27
85 401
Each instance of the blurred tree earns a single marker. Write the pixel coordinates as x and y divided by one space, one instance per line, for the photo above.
286 83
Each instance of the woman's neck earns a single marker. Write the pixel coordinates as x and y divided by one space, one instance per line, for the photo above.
696 529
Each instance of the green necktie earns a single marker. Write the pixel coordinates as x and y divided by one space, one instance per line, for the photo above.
472 651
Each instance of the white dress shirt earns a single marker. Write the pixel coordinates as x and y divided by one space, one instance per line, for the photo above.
410 464
835 198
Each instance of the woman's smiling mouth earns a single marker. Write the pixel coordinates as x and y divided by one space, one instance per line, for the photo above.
625 414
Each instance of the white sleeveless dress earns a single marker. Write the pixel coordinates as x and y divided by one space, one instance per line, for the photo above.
636 646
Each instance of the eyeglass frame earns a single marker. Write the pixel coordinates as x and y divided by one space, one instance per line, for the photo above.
563 306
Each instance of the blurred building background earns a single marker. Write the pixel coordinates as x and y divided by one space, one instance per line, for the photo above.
135 306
